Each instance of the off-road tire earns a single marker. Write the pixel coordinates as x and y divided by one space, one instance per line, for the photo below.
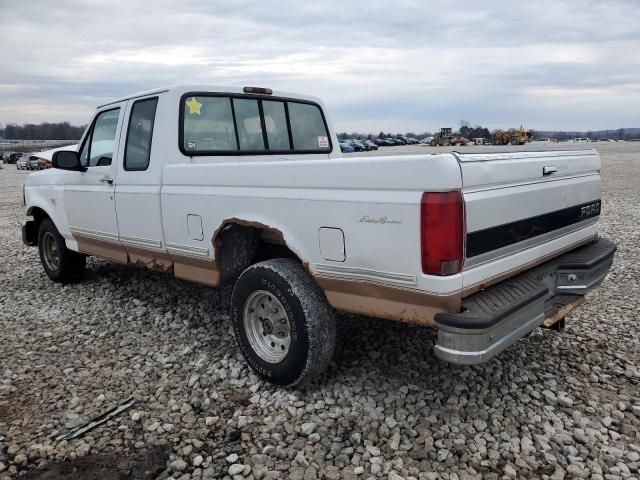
71 265
310 317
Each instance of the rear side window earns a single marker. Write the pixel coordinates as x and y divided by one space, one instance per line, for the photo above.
139 134
208 125
243 124
307 127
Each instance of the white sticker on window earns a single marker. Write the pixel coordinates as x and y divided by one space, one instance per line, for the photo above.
191 144
323 142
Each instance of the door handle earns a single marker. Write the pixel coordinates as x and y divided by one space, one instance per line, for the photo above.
549 170
106 179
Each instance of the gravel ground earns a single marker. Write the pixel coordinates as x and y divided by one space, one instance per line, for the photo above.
552 406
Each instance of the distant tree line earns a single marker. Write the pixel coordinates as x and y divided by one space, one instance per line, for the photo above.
370 136
467 131
43 131
617 134
478 131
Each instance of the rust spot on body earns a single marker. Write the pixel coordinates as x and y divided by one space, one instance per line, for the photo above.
388 302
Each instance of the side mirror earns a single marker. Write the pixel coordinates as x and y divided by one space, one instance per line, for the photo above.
67 160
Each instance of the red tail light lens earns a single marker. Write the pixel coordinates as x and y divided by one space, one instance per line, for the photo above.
442 232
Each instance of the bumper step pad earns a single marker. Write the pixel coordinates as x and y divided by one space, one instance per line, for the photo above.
494 318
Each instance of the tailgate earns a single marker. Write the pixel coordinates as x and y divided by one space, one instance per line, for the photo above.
525 207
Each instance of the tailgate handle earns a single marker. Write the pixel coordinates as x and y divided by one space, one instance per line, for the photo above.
549 170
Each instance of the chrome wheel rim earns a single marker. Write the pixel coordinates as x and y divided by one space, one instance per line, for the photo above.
267 327
50 251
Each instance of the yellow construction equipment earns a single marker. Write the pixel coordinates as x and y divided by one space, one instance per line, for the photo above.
513 136
446 137
443 138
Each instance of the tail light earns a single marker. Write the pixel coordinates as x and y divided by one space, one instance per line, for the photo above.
442 232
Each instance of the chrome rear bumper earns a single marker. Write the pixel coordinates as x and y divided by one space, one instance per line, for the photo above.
494 318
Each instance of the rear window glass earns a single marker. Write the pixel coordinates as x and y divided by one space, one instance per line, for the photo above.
208 124
248 124
275 121
214 124
307 127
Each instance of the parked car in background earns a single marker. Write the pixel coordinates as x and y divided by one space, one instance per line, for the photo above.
346 147
33 162
580 140
14 157
370 144
44 163
361 144
44 157
426 140
382 142
22 163
356 146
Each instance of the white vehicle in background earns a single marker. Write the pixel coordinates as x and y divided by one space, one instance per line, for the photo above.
248 187
581 140
23 163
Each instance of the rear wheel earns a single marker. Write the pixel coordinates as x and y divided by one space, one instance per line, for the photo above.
60 264
283 324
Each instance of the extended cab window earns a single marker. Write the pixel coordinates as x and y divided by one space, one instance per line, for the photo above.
208 125
237 124
139 134
97 150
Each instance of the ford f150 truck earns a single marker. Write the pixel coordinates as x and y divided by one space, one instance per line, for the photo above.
248 187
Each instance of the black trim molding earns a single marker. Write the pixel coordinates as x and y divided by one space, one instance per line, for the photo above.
487 240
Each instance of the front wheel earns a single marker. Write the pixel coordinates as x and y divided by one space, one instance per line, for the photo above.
60 264
282 321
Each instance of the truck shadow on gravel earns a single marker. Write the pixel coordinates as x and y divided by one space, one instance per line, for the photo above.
143 465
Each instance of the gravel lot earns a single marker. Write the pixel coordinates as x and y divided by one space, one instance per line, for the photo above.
553 406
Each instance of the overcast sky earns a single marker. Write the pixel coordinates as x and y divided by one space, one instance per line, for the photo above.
378 65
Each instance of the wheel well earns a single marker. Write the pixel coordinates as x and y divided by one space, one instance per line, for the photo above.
38 215
240 245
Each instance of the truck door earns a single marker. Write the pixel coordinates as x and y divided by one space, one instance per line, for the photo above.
89 196
137 191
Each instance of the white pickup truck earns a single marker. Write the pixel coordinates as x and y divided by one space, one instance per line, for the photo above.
248 187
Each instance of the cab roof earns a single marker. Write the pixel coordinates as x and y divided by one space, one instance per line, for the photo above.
182 89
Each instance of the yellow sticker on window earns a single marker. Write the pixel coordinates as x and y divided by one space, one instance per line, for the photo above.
194 105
